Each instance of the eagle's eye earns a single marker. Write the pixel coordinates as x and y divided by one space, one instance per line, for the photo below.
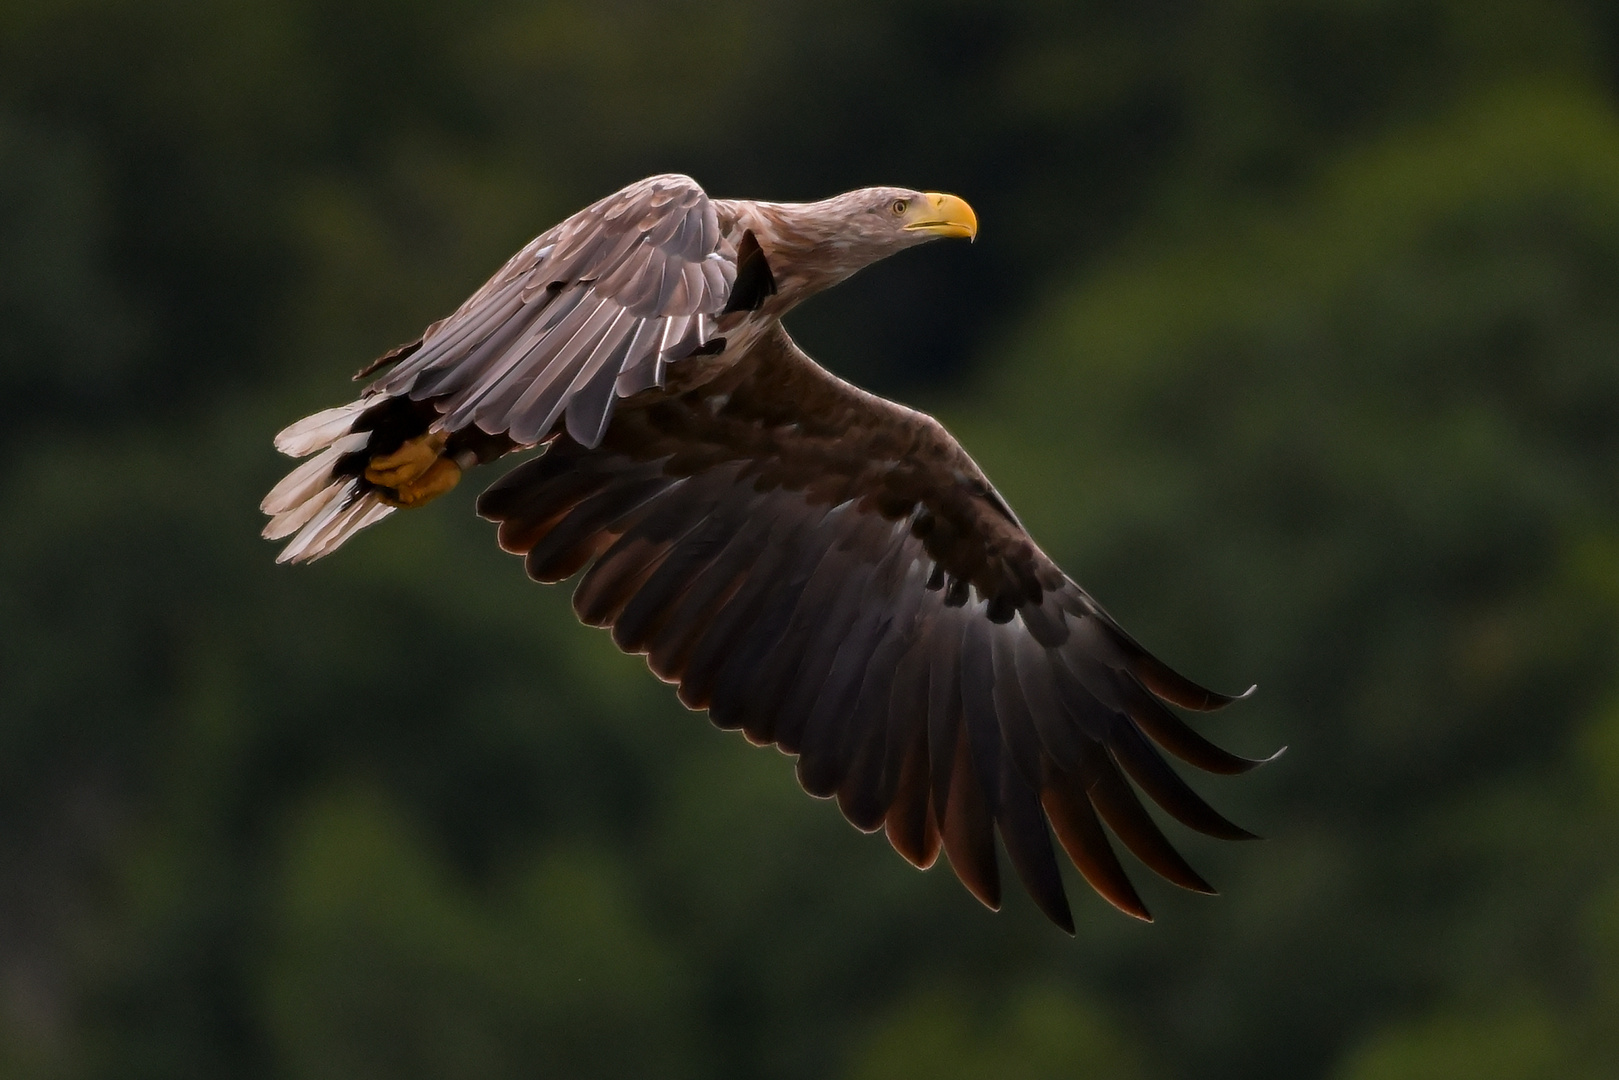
900 206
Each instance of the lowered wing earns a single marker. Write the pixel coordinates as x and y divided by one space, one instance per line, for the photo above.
829 572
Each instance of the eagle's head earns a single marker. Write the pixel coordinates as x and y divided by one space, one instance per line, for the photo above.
824 242
878 221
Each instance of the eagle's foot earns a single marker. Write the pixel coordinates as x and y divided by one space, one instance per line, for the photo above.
440 476
411 461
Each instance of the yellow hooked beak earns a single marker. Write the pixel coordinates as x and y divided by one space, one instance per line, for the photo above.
943 215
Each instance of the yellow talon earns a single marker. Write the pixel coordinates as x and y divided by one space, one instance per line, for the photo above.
410 461
442 475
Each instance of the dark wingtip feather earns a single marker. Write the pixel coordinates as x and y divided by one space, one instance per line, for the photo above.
1074 821
968 833
1177 689
1041 878
1131 750
1176 736
1119 808
1028 845
910 821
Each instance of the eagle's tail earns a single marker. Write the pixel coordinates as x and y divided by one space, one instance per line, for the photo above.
327 499
370 457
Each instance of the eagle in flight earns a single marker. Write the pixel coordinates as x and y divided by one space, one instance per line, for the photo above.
822 568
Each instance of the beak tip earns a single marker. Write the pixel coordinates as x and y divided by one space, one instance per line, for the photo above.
954 217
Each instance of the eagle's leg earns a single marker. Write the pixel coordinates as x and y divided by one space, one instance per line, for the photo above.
413 459
441 475
418 472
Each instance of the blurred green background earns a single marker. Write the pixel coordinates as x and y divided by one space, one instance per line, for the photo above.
1291 333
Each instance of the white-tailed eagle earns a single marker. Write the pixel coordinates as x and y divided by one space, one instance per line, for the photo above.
821 568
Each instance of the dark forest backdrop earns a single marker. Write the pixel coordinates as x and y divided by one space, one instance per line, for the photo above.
1291 332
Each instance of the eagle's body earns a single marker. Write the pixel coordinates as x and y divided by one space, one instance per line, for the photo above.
824 569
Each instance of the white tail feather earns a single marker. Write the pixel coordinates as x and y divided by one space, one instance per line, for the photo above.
364 513
289 521
297 486
318 510
342 516
321 429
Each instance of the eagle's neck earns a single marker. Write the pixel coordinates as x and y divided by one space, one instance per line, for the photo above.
810 246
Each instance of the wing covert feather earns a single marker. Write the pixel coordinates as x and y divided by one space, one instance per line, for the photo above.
627 285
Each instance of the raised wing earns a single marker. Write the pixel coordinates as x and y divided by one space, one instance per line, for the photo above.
589 311
830 572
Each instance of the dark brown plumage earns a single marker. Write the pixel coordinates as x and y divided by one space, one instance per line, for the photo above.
818 567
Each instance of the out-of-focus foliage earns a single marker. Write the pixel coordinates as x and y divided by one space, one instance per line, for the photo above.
1040 1034
1291 333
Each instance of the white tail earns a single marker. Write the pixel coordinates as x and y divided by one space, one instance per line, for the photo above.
318 510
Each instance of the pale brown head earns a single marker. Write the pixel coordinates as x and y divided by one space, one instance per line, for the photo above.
899 217
824 242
